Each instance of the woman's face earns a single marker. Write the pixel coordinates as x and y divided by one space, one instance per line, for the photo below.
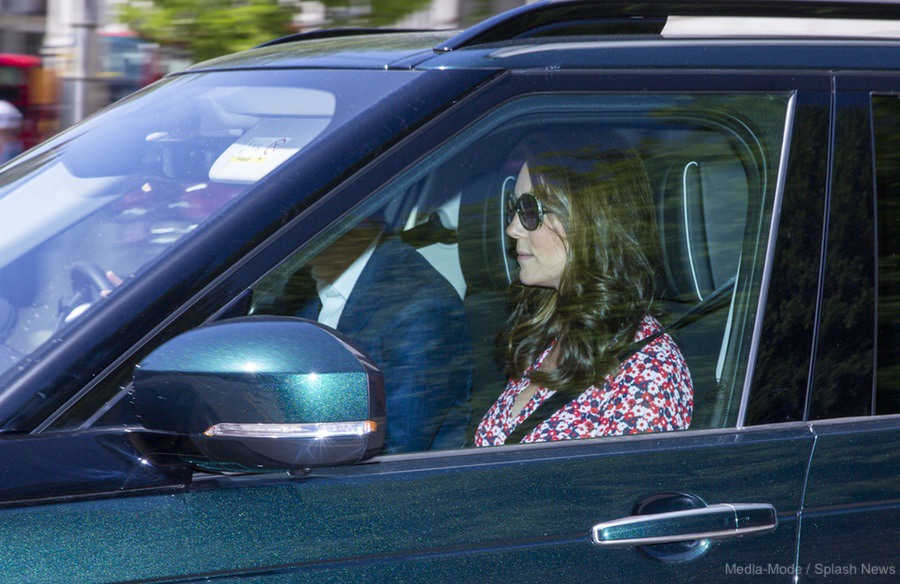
541 253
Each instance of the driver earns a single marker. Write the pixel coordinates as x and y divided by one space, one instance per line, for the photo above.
408 318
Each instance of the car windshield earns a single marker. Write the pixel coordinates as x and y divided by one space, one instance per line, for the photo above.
86 211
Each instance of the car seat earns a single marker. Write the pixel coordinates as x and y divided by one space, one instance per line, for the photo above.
702 199
488 269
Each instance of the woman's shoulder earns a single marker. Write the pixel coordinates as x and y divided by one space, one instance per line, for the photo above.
662 352
648 326
652 332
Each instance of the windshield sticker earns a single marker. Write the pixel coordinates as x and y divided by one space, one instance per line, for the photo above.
258 152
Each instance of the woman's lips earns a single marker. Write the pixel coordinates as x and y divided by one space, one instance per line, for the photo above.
524 256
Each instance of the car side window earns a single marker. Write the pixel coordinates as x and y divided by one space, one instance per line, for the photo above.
887 177
431 275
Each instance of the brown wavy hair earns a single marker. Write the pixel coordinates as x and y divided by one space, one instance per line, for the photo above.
597 187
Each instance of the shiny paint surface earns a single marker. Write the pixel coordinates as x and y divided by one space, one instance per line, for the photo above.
52 467
363 52
462 516
260 397
854 531
263 345
769 55
415 52
260 371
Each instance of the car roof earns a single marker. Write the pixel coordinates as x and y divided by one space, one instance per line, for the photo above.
704 54
804 34
337 49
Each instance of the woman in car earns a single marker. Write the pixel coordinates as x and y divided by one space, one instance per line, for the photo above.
585 354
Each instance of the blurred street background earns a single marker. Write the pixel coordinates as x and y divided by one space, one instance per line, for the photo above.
62 60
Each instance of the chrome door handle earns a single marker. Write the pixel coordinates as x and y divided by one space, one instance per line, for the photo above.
711 522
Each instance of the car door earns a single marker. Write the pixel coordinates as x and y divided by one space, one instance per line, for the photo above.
853 486
722 498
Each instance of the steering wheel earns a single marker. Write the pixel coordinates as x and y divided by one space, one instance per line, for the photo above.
88 281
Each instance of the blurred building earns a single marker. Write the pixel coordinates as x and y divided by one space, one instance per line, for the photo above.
61 33
22 25
71 50
442 14
24 82
436 14
91 59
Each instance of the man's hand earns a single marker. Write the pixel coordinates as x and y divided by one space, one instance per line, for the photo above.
115 280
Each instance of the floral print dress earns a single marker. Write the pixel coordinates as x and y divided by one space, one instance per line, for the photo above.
650 392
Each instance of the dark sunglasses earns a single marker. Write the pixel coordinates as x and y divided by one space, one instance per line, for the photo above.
529 209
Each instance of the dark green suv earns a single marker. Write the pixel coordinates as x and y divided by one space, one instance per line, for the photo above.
175 406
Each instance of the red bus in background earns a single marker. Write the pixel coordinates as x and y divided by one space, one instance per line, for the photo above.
32 90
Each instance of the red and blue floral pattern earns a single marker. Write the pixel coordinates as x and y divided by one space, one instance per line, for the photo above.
650 392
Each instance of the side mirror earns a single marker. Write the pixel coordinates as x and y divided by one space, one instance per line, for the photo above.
260 394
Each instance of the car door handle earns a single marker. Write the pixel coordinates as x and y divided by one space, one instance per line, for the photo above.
712 522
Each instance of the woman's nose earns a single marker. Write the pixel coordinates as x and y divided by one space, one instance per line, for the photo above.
515 229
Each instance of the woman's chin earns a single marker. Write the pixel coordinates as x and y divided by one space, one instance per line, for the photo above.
536 282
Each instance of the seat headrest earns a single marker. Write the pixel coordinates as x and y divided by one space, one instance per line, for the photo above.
702 207
484 252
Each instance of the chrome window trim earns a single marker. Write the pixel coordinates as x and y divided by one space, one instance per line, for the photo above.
769 260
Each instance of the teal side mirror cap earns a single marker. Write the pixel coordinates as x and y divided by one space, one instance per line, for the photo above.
262 393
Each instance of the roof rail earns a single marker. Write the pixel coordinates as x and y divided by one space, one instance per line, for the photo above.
331 33
579 17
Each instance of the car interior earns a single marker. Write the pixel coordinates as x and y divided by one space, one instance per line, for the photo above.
701 232
709 179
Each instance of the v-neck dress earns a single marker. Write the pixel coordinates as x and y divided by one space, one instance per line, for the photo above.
650 391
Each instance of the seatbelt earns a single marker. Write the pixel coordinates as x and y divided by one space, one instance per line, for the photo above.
559 399
549 406
695 313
